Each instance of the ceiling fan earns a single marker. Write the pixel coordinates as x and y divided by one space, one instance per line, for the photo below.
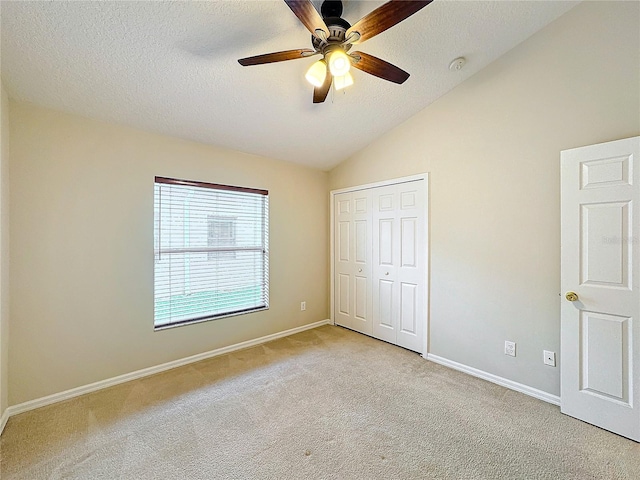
332 37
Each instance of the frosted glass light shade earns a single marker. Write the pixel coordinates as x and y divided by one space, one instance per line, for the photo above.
339 63
343 81
317 73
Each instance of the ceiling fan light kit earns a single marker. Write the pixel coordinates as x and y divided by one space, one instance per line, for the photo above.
339 63
317 73
343 81
332 37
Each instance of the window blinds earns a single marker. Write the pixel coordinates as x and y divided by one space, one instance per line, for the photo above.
211 251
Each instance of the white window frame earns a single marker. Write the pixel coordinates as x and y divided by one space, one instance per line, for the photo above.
213 249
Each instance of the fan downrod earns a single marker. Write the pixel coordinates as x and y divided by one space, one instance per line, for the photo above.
331 8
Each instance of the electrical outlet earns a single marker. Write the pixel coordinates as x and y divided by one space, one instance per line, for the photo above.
549 358
303 306
510 348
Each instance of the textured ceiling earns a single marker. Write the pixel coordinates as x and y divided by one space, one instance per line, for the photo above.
171 67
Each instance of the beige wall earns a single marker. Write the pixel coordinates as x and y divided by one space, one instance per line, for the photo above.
82 256
4 251
492 147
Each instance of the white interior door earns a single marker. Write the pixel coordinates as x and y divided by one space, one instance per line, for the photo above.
412 261
385 260
600 331
352 252
399 264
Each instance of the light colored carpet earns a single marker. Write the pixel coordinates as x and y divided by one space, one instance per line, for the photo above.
326 403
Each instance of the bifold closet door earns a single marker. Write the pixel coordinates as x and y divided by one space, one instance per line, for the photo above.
352 251
399 264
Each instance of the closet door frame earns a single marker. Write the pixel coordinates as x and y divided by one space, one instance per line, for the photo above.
422 176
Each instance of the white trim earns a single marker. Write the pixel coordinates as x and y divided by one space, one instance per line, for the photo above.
383 183
393 181
145 372
332 272
3 420
518 387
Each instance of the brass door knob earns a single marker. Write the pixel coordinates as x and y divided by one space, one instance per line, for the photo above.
571 296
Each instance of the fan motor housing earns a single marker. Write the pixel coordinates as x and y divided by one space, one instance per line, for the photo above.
337 32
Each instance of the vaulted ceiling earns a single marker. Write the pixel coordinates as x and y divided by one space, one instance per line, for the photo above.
171 67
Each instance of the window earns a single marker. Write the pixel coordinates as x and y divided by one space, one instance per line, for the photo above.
211 249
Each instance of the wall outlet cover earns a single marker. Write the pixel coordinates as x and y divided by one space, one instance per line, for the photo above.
549 358
510 348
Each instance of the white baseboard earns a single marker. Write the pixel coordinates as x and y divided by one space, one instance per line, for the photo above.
3 420
145 372
518 387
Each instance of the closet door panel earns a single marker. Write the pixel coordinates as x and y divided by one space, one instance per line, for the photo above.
343 240
361 202
344 298
361 287
344 236
385 242
362 246
411 267
385 320
408 242
353 260
385 259
408 314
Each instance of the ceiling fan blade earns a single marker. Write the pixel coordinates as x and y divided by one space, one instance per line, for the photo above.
378 67
308 15
385 17
277 57
320 93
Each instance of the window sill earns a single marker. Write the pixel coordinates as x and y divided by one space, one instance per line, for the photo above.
183 323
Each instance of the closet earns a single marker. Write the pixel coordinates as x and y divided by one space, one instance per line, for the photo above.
380 255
